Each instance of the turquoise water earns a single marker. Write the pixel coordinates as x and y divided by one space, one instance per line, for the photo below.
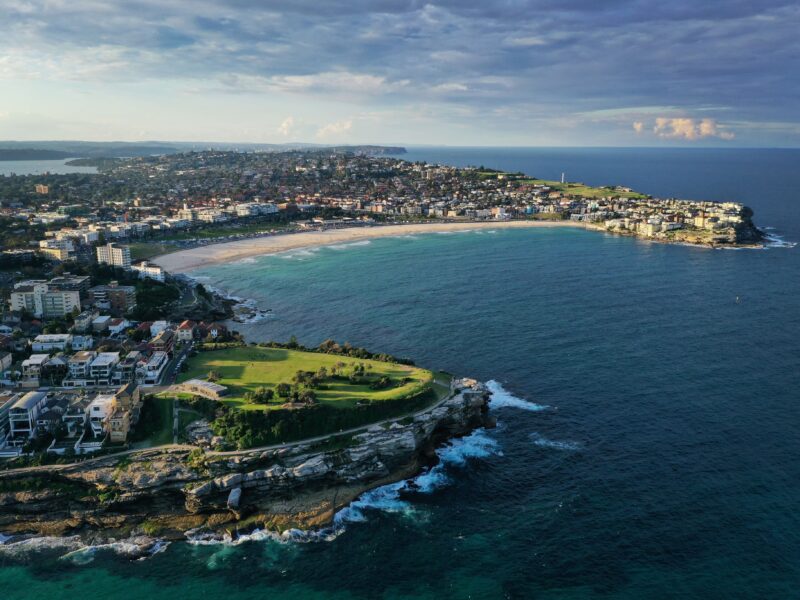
649 423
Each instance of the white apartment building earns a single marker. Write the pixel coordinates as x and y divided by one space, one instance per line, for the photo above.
114 255
146 269
44 302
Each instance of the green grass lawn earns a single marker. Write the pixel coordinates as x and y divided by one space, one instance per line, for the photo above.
248 368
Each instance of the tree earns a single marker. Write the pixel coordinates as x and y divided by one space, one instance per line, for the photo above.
213 376
307 397
283 389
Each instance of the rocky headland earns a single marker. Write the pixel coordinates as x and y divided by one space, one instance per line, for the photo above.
163 493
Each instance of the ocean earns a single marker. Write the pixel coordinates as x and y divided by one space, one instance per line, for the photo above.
647 398
40 167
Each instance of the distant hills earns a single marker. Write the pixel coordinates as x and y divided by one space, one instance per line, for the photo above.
56 150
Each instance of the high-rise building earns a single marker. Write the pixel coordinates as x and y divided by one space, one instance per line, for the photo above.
43 301
114 255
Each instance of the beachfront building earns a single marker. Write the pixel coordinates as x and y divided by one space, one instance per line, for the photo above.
114 255
147 270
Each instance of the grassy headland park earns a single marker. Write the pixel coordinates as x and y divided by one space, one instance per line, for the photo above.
274 394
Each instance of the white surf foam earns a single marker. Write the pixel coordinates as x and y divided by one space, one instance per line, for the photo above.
349 245
777 241
387 498
302 254
543 442
501 398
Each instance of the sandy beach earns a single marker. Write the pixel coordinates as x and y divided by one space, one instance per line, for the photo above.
186 260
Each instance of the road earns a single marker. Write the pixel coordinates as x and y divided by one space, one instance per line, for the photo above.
176 446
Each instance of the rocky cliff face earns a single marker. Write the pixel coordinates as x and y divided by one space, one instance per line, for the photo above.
167 492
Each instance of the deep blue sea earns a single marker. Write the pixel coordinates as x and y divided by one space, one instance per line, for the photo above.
647 397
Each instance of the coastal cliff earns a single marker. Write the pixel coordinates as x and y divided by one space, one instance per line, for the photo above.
163 493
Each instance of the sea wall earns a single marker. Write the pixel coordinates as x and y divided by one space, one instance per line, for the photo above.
166 492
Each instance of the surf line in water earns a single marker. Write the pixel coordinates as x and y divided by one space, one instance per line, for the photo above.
397 497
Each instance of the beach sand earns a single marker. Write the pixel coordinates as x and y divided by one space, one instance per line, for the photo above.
186 260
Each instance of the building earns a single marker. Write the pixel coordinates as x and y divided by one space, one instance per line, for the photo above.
125 369
149 270
98 412
114 255
42 189
42 301
6 360
78 367
206 389
59 250
32 366
102 367
150 372
186 331
23 416
47 342
83 322
164 341
115 298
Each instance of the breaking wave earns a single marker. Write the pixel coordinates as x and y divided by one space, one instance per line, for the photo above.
349 245
501 398
78 551
777 241
388 498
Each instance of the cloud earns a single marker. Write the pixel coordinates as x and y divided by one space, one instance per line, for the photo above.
525 66
526 41
335 129
689 129
638 126
286 126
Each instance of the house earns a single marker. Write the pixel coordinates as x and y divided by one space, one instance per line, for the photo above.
32 367
83 322
213 330
119 425
102 366
125 369
101 323
79 366
150 372
5 361
118 325
47 342
164 341
186 331
98 412
206 389
82 342
129 399
157 327
23 415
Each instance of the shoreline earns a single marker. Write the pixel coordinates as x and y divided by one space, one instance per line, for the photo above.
183 261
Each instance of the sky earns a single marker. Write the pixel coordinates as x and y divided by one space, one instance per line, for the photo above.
450 72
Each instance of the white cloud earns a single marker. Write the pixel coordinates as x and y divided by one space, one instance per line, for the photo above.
286 127
526 41
638 126
450 87
335 129
689 129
